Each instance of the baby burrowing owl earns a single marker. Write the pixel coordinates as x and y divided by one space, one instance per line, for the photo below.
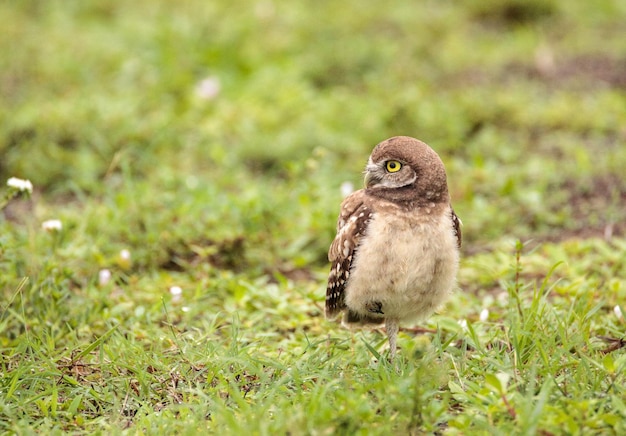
396 253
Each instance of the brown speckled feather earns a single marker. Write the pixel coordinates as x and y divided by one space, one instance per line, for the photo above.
456 222
351 225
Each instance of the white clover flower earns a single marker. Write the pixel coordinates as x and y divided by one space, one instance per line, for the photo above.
346 188
618 312
484 315
264 10
463 324
52 225
208 88
176 292
124 259
20 184
192 182
104 276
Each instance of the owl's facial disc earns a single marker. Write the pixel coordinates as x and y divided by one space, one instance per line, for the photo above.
388 173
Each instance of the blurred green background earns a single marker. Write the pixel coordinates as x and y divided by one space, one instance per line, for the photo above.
222 120
203 144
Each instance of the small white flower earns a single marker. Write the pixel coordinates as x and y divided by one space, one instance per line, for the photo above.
484 315
176 292
192 182
104 276
264 10
618 312
208 88
124 259
463 324
52 225
20 184
346 188
185 309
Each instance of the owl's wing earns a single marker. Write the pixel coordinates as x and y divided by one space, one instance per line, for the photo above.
353 220
456 222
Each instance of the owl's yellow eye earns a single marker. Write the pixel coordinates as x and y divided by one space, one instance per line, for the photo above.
393 166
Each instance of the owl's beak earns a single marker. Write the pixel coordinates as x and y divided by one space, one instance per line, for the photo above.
371 179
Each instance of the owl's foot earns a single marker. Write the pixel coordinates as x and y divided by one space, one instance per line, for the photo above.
375 307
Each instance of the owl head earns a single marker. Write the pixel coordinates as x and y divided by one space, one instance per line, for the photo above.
406 169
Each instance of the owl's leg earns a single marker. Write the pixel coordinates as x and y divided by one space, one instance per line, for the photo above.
391 325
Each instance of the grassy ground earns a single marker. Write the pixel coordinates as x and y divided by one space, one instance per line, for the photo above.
194 154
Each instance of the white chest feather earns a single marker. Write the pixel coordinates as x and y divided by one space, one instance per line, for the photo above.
407 262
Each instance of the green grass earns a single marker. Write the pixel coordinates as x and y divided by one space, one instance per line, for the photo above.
233 198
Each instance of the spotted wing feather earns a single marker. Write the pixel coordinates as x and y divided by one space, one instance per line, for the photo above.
456 222
351 225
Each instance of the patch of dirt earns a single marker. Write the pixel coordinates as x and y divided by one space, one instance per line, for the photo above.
584 72
597 206
20 210
512 12
589 70
606 232
227 254
292 274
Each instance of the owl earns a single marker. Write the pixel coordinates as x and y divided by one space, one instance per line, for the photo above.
396 254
